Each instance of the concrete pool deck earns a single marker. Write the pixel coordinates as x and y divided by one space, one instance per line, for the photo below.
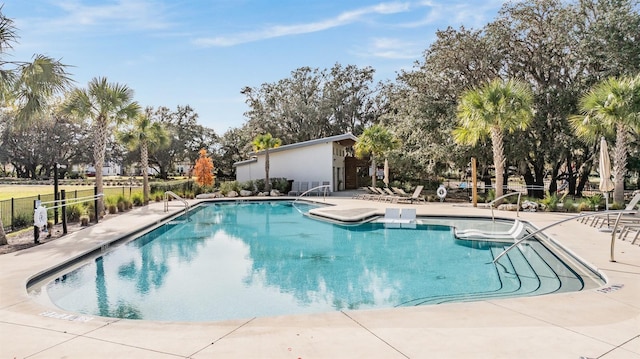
597 323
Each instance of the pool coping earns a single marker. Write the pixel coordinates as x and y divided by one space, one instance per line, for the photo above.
603 322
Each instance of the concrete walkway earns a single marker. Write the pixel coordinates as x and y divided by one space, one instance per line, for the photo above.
598 323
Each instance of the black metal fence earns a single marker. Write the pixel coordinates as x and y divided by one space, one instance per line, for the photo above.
17 213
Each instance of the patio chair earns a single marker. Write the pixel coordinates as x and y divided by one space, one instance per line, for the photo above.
408 218
416 196
295 189
607 218
316 191
325 190
304 187
400 192
391 218
511 233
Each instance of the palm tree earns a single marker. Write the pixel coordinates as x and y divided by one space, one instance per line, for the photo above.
264 143
376 141
144 135
611 109
491 110
27 87
105 104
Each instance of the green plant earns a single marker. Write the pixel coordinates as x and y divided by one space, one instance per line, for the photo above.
595 201
569 205
137 199
550 202
248 185
584 206
22 220
74 211
259 185
616 206
490 196
228 186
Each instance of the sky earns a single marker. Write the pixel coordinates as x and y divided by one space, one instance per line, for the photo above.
202 53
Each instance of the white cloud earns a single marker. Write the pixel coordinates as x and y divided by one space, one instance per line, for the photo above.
130 14
342 19
391 48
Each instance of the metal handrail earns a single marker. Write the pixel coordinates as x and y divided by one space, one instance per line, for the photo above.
172 194
325 186
504 196
613 233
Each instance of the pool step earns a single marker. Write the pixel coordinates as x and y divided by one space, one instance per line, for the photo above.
534 276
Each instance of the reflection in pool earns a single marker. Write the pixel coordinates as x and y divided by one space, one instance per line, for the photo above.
253 259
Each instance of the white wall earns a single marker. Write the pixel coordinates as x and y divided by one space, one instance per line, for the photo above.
304 164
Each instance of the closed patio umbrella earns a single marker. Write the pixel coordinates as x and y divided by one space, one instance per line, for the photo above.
604 168
386 173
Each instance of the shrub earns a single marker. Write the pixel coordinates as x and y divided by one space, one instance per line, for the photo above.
248 185
137 199
228 186
74 211
281 184
259 185
569 205
550 202
597 200
22 220
616 206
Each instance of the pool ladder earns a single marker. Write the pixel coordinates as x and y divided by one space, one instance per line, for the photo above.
324 192
168 194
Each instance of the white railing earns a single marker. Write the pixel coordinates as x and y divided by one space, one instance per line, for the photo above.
168 194
325 186
613 233
504 196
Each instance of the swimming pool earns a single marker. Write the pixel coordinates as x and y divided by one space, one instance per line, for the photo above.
236 260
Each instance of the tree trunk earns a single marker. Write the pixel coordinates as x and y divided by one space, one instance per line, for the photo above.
374 173
267 183
619 163
98 156
144 159
498 159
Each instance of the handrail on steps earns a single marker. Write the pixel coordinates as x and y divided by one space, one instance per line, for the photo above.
613 232
504 196
172 194
324 194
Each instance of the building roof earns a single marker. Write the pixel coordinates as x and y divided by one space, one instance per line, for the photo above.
346 139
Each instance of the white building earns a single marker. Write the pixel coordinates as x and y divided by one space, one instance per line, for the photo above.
321 160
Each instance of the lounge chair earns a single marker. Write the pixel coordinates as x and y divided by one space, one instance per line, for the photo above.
391 218
325 190
513 232
415 196
400 192
384 195
316 191
607 219
304 187
408 218
295 189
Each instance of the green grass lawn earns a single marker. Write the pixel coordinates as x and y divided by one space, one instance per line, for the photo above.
19 191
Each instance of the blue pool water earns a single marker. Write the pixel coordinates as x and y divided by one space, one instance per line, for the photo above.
244 260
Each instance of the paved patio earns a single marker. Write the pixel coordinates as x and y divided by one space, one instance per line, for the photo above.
598 323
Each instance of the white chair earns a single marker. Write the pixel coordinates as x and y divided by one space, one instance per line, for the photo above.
513 232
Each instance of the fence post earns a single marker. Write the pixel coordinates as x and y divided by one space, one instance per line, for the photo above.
95 202
56 196
63 199
13 214
36 230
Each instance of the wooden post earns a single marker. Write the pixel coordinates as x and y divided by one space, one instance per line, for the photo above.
474 182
